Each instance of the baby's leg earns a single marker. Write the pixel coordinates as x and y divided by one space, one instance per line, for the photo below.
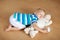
9 27
12 28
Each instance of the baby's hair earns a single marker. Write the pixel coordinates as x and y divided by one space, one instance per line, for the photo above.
40 9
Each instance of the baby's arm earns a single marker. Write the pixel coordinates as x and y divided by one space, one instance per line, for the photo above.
39 29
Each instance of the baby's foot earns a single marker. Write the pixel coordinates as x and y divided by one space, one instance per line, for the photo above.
8 29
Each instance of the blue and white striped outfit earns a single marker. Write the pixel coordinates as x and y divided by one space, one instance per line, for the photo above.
20 20
24 18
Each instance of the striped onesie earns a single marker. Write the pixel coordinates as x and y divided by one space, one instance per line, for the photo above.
23 18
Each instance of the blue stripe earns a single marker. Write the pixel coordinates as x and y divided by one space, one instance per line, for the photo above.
34 18
23 18
28 19
18 16
14 15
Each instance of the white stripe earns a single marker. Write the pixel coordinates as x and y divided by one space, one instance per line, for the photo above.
21 17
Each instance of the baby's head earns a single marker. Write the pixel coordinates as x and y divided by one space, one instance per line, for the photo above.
40 13
48 17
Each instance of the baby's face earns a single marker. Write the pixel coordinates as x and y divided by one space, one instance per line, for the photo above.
40 14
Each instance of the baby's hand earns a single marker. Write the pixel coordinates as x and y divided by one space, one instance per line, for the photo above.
48 29
45 31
